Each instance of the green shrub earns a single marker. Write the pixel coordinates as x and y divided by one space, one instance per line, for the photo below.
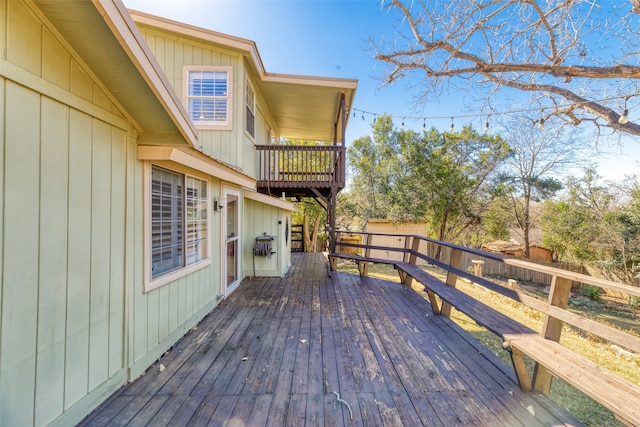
634 302
594 293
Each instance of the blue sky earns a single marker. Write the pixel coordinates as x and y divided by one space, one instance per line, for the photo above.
331 38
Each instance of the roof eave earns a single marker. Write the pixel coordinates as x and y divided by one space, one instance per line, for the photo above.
131 40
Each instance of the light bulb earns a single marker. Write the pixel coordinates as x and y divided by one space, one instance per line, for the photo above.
541 124
486 127
624 118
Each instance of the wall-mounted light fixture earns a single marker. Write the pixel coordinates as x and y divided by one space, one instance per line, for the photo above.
217 206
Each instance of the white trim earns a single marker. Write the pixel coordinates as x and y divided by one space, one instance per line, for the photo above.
271 201
224 192
247 47
247 81
186 69
195 160
149 283
126 31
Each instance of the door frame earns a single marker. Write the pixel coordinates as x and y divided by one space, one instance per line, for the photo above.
228 194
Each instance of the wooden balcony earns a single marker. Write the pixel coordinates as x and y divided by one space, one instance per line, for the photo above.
301 171
283 351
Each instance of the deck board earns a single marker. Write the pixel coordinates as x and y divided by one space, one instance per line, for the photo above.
276 350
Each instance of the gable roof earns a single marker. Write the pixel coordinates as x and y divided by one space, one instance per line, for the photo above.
109 42
303 107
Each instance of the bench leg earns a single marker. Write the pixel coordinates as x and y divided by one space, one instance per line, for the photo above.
542 379
363 268
403 276
435 307
517 358
333 263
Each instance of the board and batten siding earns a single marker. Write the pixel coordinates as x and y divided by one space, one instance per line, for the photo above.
63 256
173 54
259 219
75 323
161 316
63 227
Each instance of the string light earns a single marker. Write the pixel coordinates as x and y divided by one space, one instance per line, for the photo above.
424 125
624 117
403 123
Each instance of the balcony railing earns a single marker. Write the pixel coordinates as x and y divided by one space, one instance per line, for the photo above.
301 166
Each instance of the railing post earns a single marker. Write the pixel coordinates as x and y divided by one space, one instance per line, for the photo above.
367 253
410 257
454 261
552 329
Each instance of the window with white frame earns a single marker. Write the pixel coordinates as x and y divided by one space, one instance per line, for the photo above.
208 96
179 221
250 109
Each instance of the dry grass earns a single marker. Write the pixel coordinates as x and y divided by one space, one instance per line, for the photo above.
593 348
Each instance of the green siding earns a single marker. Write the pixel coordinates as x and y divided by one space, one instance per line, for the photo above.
24 37
53 263
79 248
229 146
258 219
118 249
75 317
20 272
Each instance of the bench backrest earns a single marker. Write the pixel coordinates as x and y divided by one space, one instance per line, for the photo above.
414 248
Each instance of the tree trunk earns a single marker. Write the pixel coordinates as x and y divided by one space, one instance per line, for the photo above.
306 235
526 227
314 235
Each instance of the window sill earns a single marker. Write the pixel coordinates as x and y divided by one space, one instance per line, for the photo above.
156 283
213 127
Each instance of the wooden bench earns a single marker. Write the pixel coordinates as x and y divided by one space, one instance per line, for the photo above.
361 261
621 396
615 393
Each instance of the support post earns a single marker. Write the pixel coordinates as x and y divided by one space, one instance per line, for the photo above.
367 254
552 329
454 261
331 213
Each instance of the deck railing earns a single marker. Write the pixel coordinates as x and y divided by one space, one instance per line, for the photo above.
301 166
410 249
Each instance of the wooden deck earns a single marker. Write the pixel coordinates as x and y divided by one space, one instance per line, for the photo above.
277 351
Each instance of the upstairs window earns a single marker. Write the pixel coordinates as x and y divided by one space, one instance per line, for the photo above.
250 107
208 96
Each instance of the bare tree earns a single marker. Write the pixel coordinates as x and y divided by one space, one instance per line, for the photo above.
577 58
541 156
